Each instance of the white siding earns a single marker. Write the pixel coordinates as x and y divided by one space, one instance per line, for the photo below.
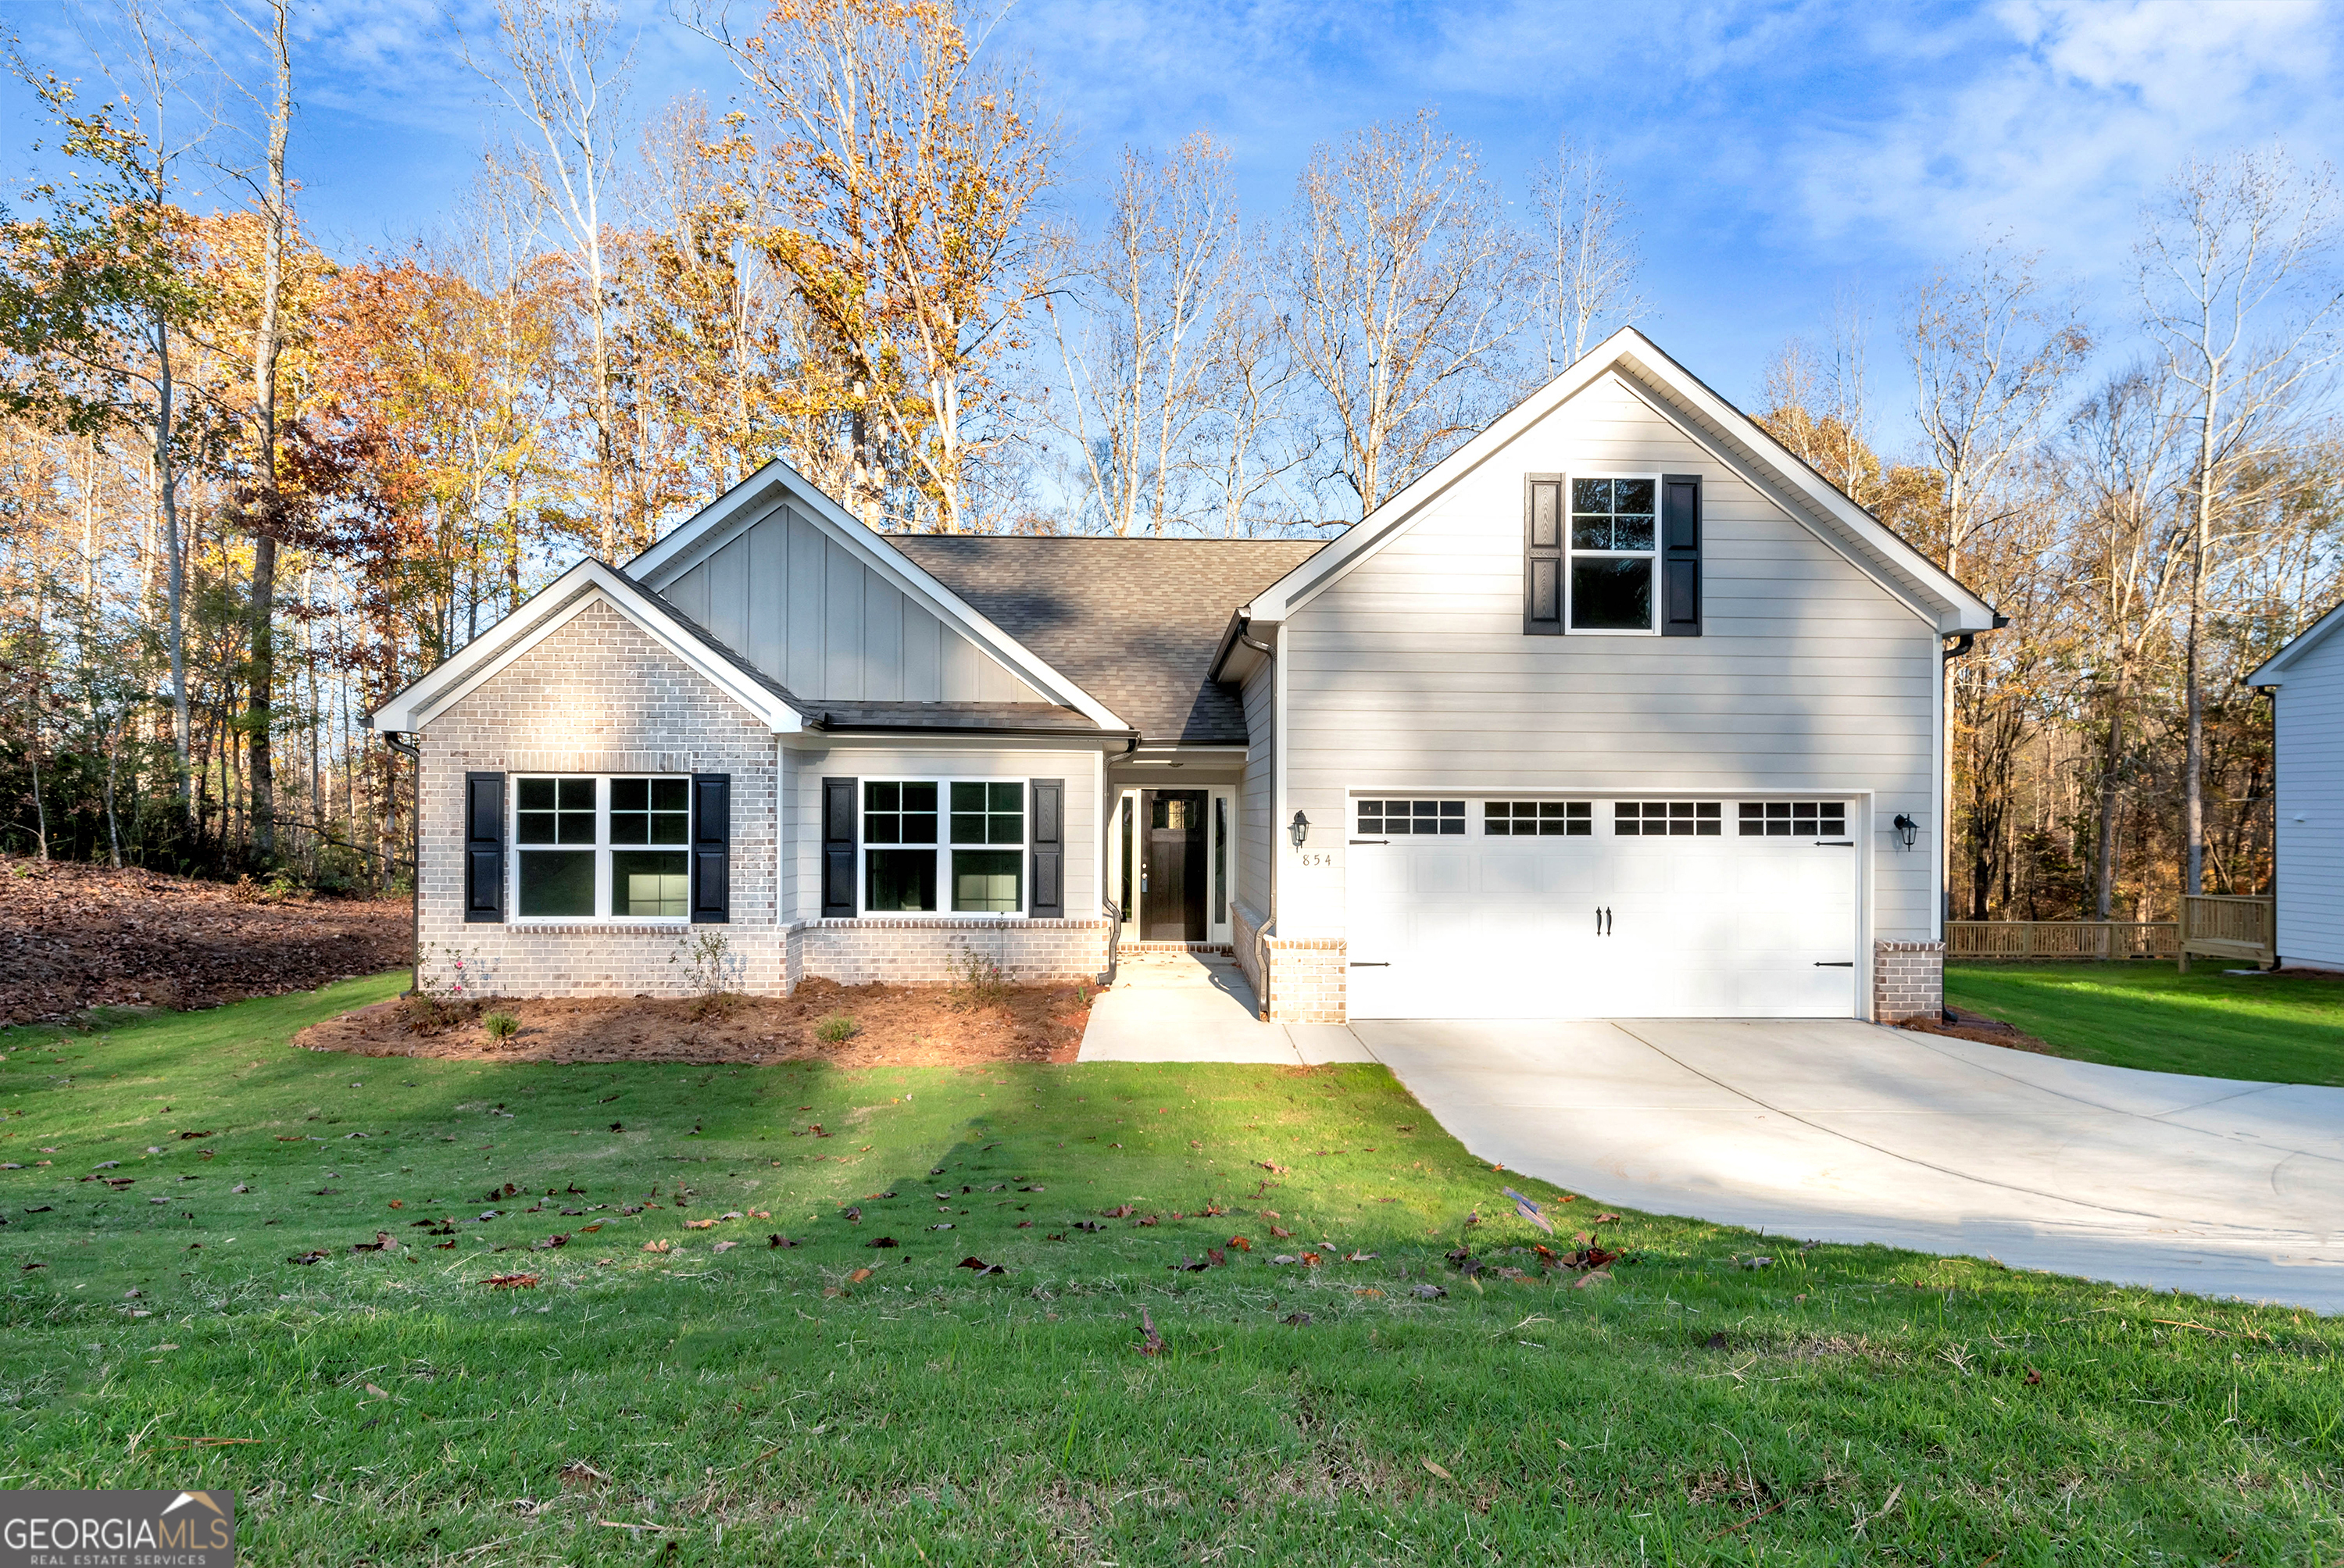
1412 671
2310 720
805 768
1257 799
800 607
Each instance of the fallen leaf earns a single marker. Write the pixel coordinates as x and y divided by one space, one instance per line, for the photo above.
1240 1243
1610 1220
724 1246
398 1203
1120 1211
511 1282
1297 1320
697 1224
778 1239
376 1392
1593 1276
662 1245
1438 1471
296 1258
1429 1292
858 1276
882 1241
1151 1343
2034 1378
1281 1235
1312 1260
1529 1211
981 1265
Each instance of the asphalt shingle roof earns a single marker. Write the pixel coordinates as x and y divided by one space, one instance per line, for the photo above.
1133 622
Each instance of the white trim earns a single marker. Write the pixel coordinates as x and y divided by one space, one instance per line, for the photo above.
732 514
2272 670
552 607
943 848
1570 552
1632 355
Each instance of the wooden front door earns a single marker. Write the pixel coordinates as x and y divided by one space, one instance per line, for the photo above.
1172 866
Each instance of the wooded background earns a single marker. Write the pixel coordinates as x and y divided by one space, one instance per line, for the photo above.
249 488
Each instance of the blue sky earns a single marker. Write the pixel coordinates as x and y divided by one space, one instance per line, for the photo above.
1778 157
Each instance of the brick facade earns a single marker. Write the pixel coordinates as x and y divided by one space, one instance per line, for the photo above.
1297 981
934 952
598 696
1908 980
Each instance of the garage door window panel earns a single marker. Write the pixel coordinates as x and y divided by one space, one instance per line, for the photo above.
1793 819
1412 817
1538 818
1667 818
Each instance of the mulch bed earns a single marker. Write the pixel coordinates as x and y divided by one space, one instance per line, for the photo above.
893 1025
1968 1025
73 936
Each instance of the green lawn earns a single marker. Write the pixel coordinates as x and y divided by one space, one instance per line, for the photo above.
2271 1027
762 1405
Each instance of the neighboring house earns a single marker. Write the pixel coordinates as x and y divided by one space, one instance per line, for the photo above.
1616 711
2306 682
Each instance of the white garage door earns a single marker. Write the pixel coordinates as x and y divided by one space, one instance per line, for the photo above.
1691 908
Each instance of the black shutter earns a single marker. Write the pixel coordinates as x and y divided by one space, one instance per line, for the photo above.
484 847
1543 519
1680 555
1047 899
838 826
711 849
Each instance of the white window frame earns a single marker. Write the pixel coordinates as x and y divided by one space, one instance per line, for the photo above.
601 848
943 848
1571 553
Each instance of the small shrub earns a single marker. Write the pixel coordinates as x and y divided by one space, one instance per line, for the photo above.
501 1026
834 1030
712 969
978 982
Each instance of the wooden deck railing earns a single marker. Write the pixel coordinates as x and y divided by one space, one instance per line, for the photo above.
2062 939
2212 925
2229 926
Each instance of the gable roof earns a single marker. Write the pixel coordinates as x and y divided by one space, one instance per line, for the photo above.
591 581
2273 671
1731 436
1137 620
754 498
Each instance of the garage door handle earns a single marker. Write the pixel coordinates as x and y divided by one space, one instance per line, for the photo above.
1603 921
1841 963
1836 844
1360 964
1371 841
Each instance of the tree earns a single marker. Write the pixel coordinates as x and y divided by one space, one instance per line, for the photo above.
1587 256
1149 300
2237 284
1403 286
556 71
908 174
1990 355
95 296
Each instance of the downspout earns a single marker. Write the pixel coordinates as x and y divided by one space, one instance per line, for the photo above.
1277 803
1962 646
413 754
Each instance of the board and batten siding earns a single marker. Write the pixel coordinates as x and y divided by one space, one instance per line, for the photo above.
2309 718
799 606
809 765
1411 672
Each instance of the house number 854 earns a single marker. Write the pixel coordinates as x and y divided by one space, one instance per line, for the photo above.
1318 858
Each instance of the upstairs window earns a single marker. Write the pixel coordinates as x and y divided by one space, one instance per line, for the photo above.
1614 553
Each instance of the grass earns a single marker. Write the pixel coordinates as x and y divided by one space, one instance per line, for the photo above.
1841 1404
2274 1028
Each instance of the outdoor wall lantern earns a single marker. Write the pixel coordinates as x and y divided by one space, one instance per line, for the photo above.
1906 828
1300 827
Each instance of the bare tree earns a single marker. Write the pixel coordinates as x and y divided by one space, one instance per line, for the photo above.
556 69
1402 285
2118 457
1818 404
1587 256
1990 354
2237 282
1133 333
1259 445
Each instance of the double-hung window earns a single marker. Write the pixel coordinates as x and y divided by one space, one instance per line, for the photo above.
1614 554
597 848
930 846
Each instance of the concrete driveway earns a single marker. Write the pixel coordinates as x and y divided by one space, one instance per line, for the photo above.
1846 1132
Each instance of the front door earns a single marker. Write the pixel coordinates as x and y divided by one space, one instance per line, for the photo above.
1172 866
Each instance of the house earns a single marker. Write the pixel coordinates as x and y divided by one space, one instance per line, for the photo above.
2306 682
1618 711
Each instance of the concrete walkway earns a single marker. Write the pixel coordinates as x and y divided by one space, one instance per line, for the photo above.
1839 1131
1176 1006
